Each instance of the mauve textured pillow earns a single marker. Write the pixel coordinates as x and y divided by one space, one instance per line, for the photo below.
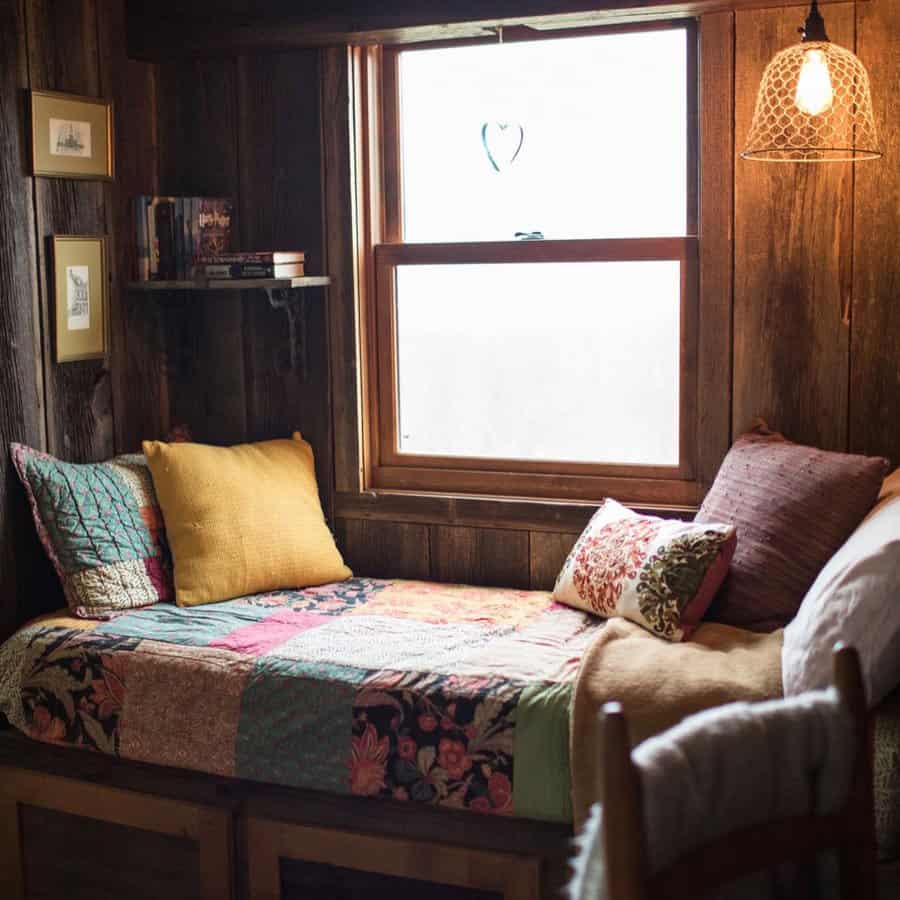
793 506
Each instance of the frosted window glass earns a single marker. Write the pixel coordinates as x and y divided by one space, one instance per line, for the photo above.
540 361
605 138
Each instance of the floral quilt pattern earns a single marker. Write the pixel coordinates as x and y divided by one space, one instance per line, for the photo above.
397 690
435 746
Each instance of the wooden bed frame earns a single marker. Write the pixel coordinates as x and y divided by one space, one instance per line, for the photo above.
243 830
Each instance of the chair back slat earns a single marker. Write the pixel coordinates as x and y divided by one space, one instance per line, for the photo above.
623 837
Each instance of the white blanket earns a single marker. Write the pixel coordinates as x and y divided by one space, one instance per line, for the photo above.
728 768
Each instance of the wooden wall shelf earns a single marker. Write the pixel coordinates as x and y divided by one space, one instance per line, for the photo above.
283 293
233 284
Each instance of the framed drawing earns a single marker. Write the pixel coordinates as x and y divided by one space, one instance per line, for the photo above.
79 286
71 136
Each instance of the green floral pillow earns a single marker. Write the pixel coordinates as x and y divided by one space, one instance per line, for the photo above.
101 526
660 573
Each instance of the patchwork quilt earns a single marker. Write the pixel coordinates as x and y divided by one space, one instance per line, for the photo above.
448 695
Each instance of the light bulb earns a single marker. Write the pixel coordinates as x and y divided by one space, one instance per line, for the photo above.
814 92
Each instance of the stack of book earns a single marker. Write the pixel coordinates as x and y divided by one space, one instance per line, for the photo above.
174 232
252 264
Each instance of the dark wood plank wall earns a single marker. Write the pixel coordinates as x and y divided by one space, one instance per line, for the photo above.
815 254
793 258
816 257
21 390
875 323
75 46
813 340
249 128
816 343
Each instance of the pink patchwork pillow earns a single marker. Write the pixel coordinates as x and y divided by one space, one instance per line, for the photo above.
660 573
794 506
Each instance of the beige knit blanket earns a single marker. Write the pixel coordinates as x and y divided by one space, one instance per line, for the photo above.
659 683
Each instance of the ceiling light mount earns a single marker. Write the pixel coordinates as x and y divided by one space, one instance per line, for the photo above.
813 29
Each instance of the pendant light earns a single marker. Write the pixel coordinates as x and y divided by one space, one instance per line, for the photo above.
813 104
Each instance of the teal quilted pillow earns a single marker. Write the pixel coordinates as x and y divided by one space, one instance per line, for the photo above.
101 526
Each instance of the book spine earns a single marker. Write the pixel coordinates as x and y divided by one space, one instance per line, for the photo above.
143 238
260 257
165 232
187 254
215 226
189 237
178 231
251 270
152 241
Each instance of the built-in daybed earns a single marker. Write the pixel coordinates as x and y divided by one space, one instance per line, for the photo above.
411 731
428 696
406 729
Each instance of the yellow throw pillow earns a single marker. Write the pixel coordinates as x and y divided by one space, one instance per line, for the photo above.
245 519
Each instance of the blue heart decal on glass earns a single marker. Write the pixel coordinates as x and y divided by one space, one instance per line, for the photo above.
502 143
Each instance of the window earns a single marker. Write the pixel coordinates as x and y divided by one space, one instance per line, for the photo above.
533 280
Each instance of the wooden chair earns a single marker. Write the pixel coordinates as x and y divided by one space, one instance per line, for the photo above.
850 831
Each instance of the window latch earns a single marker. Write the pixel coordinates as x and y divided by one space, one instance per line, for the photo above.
530 235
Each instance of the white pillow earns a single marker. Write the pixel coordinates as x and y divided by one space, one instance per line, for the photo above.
855 599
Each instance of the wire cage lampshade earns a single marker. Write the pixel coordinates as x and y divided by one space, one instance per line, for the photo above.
814 104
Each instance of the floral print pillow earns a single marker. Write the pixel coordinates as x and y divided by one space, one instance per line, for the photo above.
660 573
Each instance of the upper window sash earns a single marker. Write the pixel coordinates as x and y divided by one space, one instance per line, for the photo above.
646 152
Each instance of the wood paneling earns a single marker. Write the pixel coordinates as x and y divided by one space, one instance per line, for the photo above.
806 242
875 325
716 241
204 28
281 209
198 155
337 174
66 854
302 880
793 251
173 790
547 553
485 512
97 807
64 56
776 245
511 876
384 549
137 364
247 128
489 556
21 408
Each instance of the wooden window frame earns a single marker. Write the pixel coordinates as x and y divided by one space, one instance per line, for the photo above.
380 250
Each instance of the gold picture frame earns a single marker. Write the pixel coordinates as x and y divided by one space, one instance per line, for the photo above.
71 136
79 290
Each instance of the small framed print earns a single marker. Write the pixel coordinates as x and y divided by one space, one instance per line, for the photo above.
71 136
79 279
